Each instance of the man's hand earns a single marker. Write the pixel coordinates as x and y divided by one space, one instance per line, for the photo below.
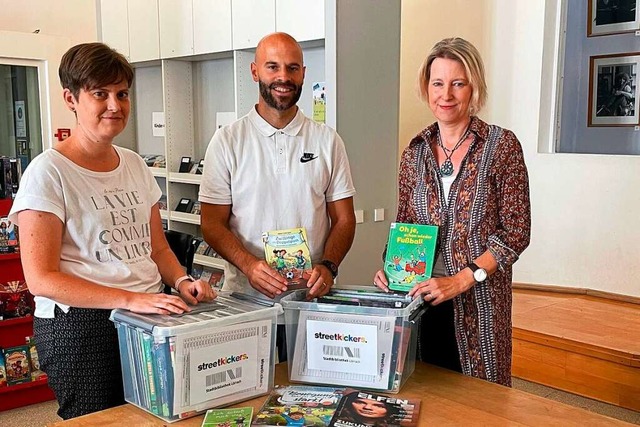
320 282
265 279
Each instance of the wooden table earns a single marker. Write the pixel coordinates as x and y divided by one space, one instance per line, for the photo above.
448 399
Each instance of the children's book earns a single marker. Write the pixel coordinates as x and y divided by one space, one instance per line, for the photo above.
299 405
230 417
365 409
287 251
3 372
8 236
17 364
410 253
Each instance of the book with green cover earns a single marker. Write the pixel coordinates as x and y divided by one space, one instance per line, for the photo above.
410 254
287 251
230 417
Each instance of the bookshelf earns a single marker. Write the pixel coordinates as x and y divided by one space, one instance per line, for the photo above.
13 333
192 61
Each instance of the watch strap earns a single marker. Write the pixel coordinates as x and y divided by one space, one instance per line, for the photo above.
473 266
333 268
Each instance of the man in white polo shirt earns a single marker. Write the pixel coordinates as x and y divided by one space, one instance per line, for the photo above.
276 169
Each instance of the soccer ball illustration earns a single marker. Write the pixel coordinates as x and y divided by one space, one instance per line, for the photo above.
289 275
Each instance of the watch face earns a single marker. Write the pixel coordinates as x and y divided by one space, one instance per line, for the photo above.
480 275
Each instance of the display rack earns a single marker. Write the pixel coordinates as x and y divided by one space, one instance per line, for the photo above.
13 333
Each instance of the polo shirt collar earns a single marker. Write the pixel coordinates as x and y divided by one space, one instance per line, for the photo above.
292 129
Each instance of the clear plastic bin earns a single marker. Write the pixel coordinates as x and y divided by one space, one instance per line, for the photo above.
345 345
180 365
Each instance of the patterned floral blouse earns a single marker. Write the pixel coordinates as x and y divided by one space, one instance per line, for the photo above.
488 209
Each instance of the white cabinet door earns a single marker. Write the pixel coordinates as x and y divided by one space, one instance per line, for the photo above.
176 28
303 19
252 20
143 30
211 26
114 24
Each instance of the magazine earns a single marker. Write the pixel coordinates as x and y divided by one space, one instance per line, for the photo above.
229 417
365 409
299 405
410 253
287 251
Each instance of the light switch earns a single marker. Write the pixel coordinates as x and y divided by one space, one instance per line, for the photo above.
378 214
359 216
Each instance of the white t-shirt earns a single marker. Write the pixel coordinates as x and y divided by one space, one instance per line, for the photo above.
275 179
106 215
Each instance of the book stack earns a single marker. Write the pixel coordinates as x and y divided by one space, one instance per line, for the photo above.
334 407
19 364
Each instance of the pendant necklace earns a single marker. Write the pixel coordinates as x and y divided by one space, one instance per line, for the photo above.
446 168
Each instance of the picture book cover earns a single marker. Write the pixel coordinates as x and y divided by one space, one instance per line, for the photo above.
410 254
17 364
8 236
229 417
287 251
365 409
299 405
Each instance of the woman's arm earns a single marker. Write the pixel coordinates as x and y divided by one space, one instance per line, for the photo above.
40 250
169 266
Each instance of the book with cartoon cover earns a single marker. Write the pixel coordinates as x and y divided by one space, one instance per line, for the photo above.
309 406
17 364
287 251
365 409
229 417
410 253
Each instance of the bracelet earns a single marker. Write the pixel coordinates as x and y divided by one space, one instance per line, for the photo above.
181 279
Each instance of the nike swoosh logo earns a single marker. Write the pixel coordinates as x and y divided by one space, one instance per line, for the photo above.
307 159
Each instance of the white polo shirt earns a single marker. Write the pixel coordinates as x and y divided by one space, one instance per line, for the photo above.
275 179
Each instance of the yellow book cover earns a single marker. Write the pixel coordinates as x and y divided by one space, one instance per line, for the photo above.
287 251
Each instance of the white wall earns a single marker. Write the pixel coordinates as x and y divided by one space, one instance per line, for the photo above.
585 207
62 23
72 19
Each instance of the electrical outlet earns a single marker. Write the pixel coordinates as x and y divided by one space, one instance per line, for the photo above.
378 214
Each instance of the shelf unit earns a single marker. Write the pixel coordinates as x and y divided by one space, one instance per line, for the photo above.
13 333
194 60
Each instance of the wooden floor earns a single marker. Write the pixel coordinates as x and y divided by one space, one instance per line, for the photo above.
583 344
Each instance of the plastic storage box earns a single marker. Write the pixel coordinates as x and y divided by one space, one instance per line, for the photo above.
346 345
177 366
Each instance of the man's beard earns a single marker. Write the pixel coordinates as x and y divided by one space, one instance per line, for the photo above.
265 92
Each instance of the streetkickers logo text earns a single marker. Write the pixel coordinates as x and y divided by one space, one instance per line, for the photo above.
340 337
223 361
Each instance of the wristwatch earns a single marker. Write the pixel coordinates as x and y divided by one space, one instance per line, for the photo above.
479 274
333 268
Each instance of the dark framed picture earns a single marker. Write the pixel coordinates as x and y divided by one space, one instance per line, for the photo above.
612 17
614 90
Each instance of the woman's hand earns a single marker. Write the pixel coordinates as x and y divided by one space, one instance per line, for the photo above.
156 303
380 280
440 289
194 292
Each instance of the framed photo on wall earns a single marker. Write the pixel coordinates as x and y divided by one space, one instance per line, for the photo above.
613 90
612 17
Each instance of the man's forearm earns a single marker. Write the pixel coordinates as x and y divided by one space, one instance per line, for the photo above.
339 241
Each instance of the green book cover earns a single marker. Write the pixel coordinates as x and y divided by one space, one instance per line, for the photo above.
410 253
230 417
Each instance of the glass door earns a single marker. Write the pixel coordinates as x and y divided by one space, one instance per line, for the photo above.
20 117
